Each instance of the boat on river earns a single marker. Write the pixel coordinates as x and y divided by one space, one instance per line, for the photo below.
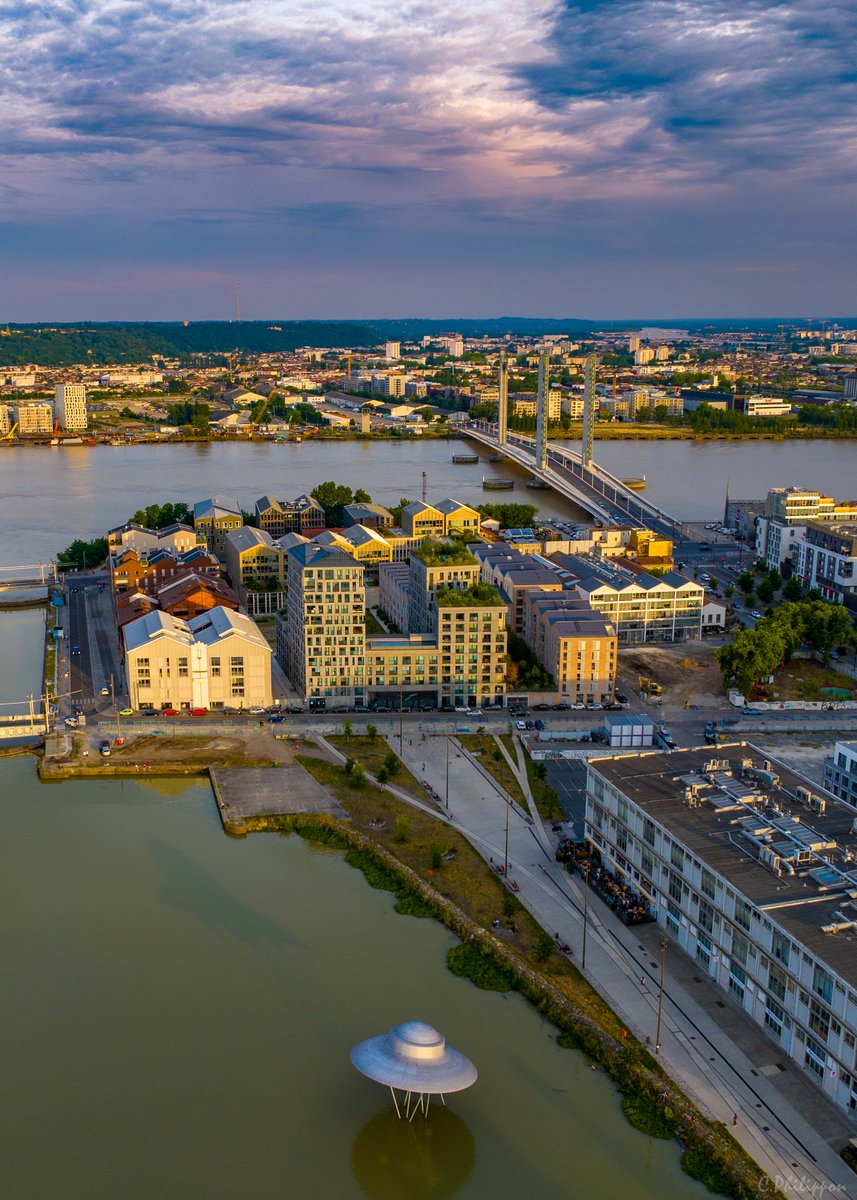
638 482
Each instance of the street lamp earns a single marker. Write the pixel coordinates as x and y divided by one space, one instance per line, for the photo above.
664 944
447 772
586 867
506 850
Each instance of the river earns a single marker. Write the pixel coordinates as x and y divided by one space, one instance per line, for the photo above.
177 1009
48 496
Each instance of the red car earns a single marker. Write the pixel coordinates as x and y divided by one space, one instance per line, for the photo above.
197 712
170 712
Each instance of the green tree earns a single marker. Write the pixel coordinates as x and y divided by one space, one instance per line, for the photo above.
398 509
347 729
401 828
427 414
775 579
746 582
543 946
792 589
371 732
361 496
159 516
749 598
729 591
765 591
392 764
84 555
332 497
358 775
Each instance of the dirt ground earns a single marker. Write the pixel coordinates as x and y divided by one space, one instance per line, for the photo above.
689 674
252 745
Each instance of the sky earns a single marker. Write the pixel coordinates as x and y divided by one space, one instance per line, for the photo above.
354 158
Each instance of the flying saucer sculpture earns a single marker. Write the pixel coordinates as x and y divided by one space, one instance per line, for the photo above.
414 1058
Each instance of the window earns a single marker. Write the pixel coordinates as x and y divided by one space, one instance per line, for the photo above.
214 665
742 914
822 984
737 979
774 1014
777 983
780 947
819 1019
815 1057
649 831
183 668
708 884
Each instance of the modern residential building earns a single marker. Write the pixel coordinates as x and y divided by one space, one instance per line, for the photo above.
34 417
323 647
279 517
641 608
763 406
434 566
525 404
643 355
139 570
788 511
5 419
373 516
574 644
252 557
751 871
366 545
176 538
213 519
193 593
422 520
825 557
840 772
392 351
70 406
216 660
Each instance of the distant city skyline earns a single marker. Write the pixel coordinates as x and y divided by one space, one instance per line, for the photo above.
606 159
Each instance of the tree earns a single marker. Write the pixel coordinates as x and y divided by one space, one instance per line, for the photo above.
753 655
332 497
159 516
84 555
371 731
749 597
542 946
427 414
358 775
746 582
401 828
712 583
435 856
361 496
792 589
347 729
392 764
729 591
828 625
765 591
775 579
397 509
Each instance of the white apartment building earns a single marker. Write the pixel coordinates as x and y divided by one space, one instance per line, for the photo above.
764 406
392 351
643 355
216 660
70 406
5 419
751 872
37 417
788 511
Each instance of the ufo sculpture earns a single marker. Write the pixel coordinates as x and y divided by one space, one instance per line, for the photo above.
414 1058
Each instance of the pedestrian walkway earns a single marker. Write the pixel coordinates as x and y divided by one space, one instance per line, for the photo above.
725 1063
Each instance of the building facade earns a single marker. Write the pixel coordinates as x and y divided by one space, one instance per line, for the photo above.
750 871
216 660
574 644
36 417
70 406
840 772
213 519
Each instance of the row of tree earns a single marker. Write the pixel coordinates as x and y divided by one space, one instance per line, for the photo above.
754 654
333 498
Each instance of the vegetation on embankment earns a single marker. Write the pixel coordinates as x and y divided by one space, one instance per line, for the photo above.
490 757
463 894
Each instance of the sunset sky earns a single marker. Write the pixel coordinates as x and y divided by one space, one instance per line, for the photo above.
344 159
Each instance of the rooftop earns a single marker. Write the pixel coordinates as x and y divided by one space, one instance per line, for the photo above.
444 554
786 845
480 595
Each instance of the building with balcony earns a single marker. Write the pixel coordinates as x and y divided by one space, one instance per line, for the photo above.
215 518
574 644
70 406
279 517
750 870
840 772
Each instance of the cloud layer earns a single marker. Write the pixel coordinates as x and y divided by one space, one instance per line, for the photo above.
348 157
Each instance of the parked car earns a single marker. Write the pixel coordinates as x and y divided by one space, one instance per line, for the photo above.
104 749
276 719
126 712
105 691
621 698
541 707
756 615
256 710
71 722
197 712
529 725
148 712
169 712
520 724
562 707
539 724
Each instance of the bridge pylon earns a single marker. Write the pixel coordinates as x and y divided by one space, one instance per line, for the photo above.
502 398
542 412
588 408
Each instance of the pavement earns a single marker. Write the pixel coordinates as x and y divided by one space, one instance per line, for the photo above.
718 1055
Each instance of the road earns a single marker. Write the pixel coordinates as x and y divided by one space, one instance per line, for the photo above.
90 650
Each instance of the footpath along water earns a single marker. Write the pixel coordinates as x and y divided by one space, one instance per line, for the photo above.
51 496
177 1009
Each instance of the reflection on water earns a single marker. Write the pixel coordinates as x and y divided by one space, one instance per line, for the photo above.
429 1158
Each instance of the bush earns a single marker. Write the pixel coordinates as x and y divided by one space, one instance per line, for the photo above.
401 828
412 904
371 732
392 764
650 1118
435 856
701 1165
383 775
542 947
358 775
376 876
469 961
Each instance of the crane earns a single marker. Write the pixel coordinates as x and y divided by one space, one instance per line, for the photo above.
8 436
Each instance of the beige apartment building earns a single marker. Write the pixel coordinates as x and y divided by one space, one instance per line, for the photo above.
70 406
213 519
216 660
37 417
574 644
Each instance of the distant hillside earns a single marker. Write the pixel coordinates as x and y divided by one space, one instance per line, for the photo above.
63 345
413 328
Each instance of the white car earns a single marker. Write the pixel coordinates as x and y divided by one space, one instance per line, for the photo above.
255 710
756 615
461 709
520 724
72 722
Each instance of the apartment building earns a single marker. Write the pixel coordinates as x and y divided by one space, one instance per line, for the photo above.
35 417
70 406
763 406
641 607
176 538
526 404
323 647
279 517
367 546
750 871
420 520
788 511
373 516
252 557
213 519
435 566
825 557
137 570
216 660
574 644
840 772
